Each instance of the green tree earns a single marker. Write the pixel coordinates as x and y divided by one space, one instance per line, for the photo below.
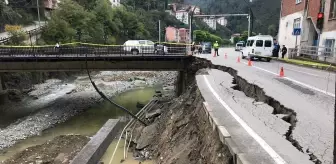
272 30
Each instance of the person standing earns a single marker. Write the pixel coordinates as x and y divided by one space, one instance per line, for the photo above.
216 47
284 51
276 48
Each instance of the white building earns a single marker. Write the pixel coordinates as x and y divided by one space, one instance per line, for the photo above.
211 22
115 3
182 16
197 10
287 24
222 21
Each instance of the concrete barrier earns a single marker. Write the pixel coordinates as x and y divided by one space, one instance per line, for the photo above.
96 147
225 137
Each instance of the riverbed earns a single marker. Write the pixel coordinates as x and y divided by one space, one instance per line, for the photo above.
56 101
89 122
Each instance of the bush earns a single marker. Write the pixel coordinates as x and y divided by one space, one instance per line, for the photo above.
17 37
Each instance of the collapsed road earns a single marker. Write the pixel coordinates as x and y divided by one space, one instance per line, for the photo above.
304 100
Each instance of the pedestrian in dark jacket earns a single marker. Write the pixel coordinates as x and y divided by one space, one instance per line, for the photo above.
284 51
276 48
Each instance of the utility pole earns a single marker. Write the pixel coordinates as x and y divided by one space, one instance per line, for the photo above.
249 25
159 31
38 15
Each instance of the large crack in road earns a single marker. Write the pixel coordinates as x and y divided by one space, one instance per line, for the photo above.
257 93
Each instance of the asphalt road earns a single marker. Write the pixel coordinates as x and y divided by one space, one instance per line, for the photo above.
309 92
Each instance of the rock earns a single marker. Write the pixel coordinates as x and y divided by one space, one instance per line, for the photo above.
140 78
153 114
14 95
60 158
139 83
147 136
38 161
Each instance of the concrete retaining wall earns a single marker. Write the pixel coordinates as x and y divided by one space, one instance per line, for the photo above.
96 147
225 137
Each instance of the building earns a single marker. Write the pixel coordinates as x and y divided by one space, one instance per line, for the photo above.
197 10
211 22
171 34
222 21
328 36
233 36
183 16
183 35
292 12
177 35
115 3
303 14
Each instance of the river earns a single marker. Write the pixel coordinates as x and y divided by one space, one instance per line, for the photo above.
89 122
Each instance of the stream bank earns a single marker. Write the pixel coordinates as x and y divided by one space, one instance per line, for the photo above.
56 101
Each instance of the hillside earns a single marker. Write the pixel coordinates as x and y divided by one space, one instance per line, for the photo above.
266 13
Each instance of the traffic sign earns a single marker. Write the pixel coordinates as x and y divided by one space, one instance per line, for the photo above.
297 31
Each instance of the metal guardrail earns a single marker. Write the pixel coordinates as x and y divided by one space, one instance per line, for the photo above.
30 32
324 54
91 50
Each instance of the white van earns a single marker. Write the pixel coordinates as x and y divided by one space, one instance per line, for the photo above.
139 46
239 46
259 47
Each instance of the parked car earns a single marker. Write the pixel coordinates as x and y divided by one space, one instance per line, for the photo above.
206 47
259 47
139 46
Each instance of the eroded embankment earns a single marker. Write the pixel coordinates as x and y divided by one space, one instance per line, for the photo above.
182 134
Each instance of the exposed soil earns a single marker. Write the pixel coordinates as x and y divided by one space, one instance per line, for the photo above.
182 134
60 150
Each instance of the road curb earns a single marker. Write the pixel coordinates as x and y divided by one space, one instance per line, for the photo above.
306 65
225 137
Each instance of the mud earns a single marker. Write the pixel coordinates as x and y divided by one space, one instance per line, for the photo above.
61 149
183 134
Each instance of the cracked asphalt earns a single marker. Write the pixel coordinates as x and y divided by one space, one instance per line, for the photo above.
314 109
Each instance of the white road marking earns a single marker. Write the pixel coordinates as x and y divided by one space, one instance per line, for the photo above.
305 73
295 81
275 156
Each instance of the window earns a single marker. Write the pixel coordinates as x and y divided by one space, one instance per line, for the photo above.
142 42
250 43
298 1
268 43
297 23
332 9
260 43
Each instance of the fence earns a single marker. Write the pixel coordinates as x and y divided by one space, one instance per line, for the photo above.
35 31
323 54
77 49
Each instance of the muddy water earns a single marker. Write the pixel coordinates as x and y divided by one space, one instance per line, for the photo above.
89 122
120 155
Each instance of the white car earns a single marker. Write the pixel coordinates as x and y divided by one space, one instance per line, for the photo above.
259 47
139 47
